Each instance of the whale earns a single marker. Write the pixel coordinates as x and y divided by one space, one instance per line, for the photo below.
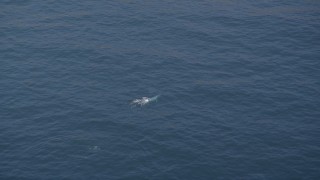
144 100
155 98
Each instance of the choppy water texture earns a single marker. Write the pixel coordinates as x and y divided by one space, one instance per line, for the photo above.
239 85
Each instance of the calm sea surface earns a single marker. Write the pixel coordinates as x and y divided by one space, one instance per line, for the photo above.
239 84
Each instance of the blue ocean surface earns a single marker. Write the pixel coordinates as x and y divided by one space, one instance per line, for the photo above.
239 87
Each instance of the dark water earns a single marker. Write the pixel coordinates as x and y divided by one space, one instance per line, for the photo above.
239 84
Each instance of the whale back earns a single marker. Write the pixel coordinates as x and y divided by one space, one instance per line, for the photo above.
154 98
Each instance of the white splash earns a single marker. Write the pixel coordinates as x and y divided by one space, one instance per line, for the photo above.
144 100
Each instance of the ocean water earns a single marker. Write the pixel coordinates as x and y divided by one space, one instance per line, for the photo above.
239 84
